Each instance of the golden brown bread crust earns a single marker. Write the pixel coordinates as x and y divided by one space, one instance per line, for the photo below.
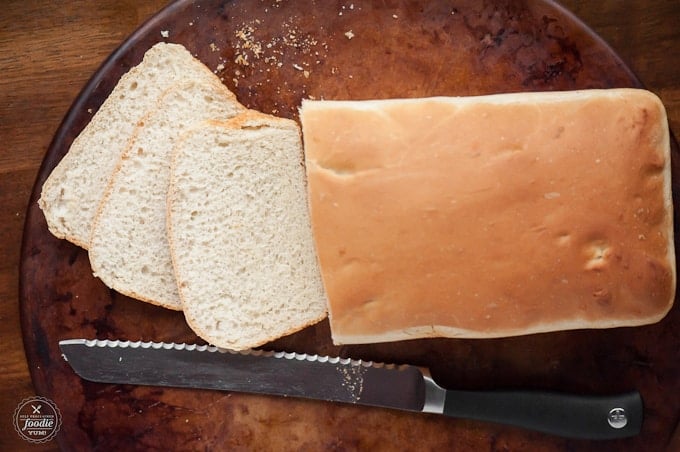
491 216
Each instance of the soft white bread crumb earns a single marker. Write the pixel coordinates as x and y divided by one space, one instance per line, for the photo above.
72 193
129 249
239 232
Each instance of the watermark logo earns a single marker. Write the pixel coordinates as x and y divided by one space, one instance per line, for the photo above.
37 419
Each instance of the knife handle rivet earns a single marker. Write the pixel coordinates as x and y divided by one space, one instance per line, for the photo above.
617 418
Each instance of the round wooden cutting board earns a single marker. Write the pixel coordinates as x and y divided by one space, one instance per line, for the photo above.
273 54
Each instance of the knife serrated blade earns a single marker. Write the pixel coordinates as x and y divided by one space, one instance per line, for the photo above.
345 380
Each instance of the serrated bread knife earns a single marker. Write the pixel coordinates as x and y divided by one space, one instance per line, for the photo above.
401 387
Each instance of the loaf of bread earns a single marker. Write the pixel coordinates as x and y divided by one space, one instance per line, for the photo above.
128 248
491 216
239 232
71 195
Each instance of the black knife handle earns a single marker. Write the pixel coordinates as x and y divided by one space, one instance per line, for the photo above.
567 415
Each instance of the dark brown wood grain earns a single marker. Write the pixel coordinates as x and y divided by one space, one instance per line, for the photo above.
398 48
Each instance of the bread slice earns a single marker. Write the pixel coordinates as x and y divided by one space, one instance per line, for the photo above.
72 192
491 216
128 248
239 232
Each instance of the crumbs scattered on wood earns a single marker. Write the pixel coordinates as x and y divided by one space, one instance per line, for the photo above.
343 8
241 60
272 51
349 34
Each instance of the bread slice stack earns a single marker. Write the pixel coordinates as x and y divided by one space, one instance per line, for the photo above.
128 245
241 238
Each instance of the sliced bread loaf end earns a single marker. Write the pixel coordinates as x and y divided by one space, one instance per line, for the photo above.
239 232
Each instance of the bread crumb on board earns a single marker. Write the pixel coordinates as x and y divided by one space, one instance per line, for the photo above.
343 8
241 60
165 33
273 40
262 53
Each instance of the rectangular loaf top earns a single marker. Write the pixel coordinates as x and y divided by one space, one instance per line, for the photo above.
491 216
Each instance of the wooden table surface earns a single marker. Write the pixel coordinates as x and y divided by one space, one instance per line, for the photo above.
49 48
